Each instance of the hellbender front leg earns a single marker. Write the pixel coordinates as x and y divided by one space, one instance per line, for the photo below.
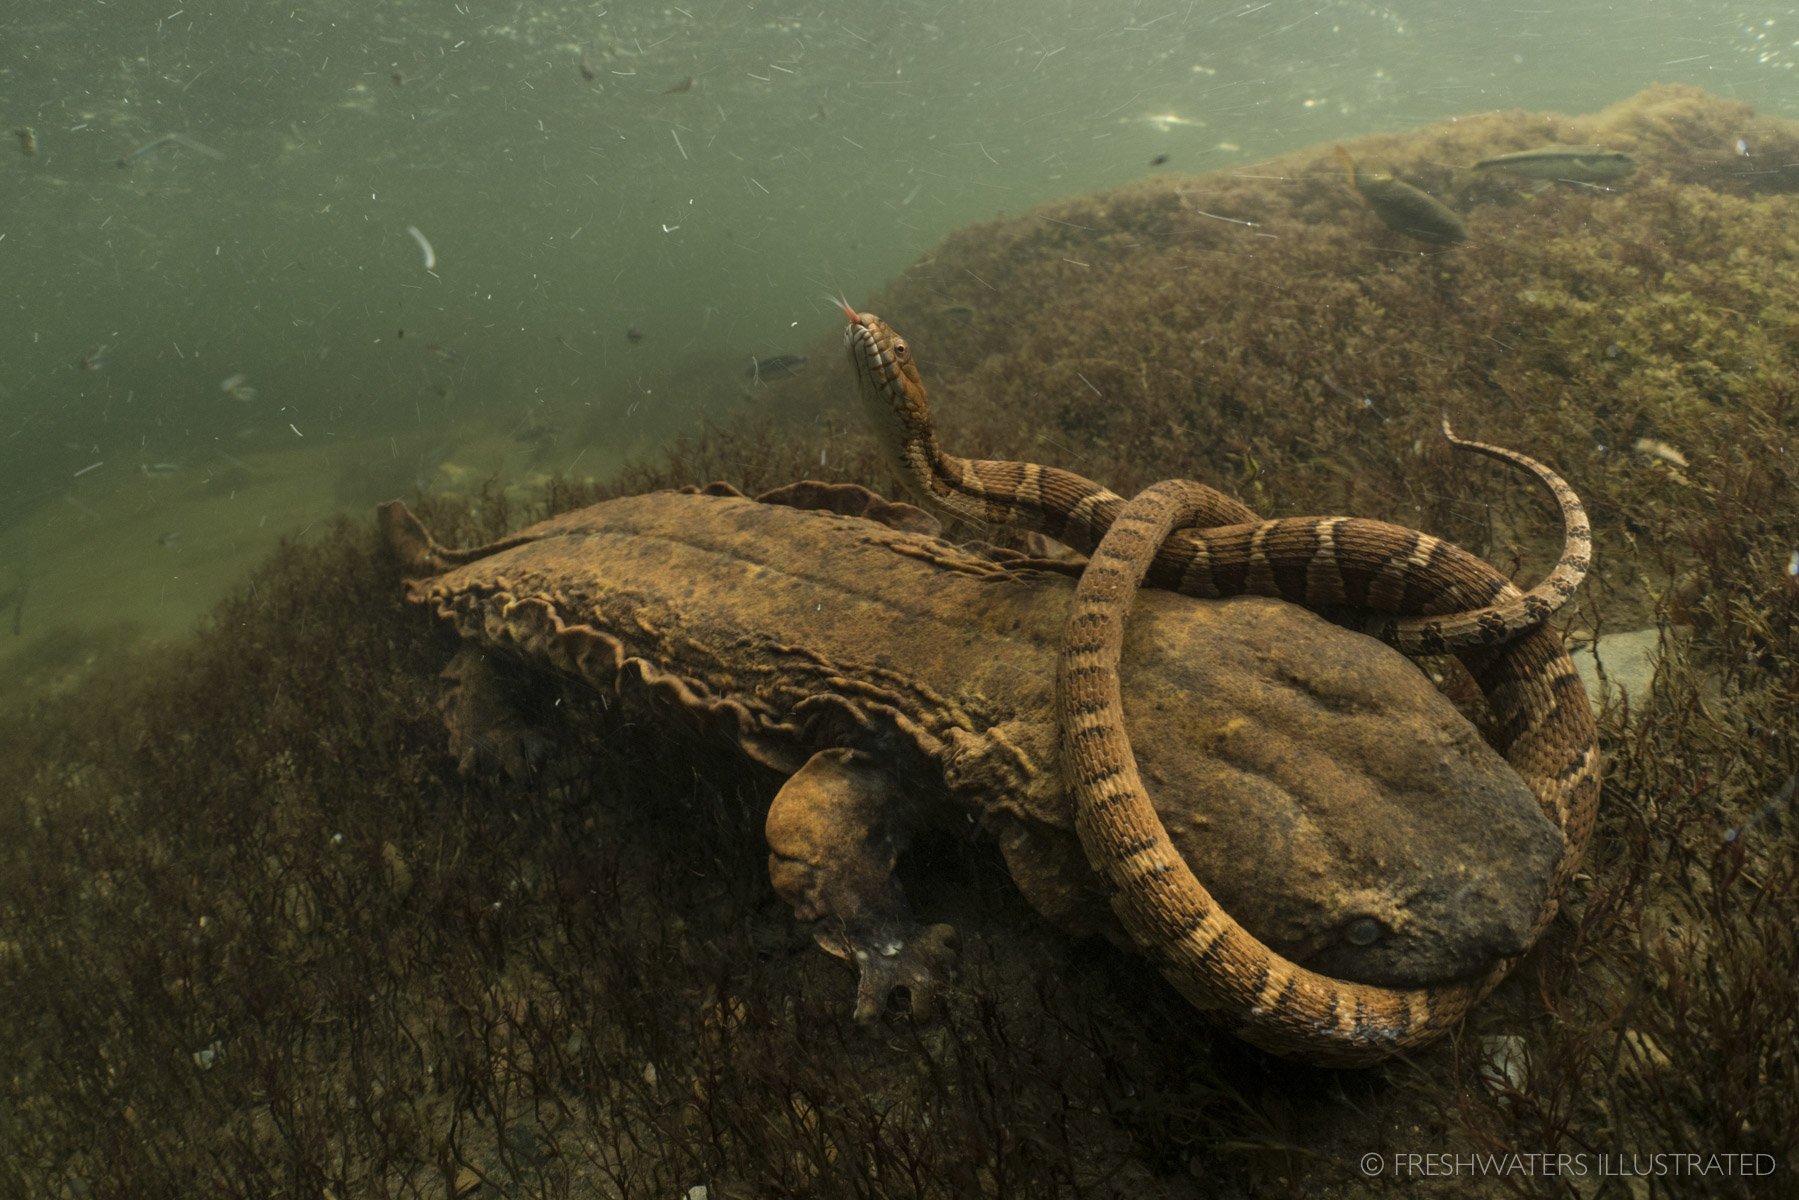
483 705
834 832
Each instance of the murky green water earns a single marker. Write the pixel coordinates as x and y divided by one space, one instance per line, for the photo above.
619 210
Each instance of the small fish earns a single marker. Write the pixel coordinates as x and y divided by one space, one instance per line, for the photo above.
239 463
1573 164
780 366
160 470
169 538
94 359
167 139
1403 208
686 85
27 140
443 352
399 78
633 334
535 428
238 388
1158 160
587 71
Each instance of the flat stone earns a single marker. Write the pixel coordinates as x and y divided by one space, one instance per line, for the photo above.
1621 665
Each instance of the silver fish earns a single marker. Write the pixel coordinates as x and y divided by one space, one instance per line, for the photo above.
1575 164
169 139
779 366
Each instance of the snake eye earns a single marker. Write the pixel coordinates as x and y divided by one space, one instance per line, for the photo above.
899 349
1363 931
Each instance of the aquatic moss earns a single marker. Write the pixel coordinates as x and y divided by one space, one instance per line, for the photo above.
259 937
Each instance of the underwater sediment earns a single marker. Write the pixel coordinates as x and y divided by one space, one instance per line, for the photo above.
256 933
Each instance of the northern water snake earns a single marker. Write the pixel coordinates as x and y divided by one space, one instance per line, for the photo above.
1432 598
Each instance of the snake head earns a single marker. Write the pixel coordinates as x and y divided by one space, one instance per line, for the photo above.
883 362
893 396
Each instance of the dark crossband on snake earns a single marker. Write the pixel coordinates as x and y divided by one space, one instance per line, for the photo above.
1426 596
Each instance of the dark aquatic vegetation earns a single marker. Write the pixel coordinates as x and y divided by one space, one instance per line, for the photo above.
178 139
27 140
1403 208
1573 164
780 366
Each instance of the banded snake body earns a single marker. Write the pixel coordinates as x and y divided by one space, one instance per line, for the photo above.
1429 597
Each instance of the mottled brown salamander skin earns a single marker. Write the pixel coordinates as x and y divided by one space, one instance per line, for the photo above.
1309 774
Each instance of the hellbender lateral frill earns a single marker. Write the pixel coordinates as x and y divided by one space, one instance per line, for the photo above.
1310 775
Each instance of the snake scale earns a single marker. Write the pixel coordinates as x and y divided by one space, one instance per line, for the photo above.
1430 597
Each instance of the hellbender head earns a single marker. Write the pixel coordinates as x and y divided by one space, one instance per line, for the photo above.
1329 797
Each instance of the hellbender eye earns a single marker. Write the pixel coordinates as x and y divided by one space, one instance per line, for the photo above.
1363 931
